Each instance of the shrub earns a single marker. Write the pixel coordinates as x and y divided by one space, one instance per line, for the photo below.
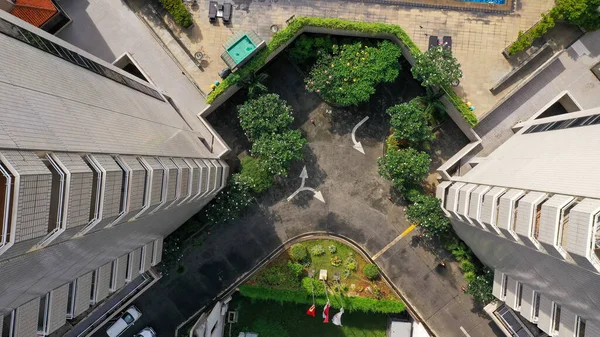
437 67
298 252
426 212
303 297
349 75
404 167
336 261
254 175
480 287
307 48
178 11
332 249
230 203
268 328
277 151
317 250
461 107
410 122
264 116
295 268
371 271
351 266
526 39
467 266
310 284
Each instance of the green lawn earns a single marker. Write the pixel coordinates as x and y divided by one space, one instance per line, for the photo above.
274 319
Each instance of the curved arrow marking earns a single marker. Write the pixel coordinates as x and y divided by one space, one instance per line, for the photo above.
358 145
317 194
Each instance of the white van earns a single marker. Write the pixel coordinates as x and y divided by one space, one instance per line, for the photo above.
126 320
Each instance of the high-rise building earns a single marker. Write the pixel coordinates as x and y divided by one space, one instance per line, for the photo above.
531 210
97 166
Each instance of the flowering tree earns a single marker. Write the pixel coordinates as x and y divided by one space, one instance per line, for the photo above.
276 152
437 67
349 75
404 167
410 122
426 211
265 115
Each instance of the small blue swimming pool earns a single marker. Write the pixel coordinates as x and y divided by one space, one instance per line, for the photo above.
495 2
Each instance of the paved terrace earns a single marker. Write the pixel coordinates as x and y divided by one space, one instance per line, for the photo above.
478 38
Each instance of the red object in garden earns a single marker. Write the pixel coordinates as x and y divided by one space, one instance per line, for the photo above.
463 288
326 313
312 121
389 197
311 311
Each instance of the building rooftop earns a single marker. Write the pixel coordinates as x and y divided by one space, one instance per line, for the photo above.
36 12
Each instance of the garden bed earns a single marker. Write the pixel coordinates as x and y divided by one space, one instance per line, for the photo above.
293 277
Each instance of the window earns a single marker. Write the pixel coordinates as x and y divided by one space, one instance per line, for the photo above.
128 318
519 295
564 124
71 299
555 318
536 306
44 311
6 204
504 286
205 143
94 286
8 325
129 269
580 327
561 239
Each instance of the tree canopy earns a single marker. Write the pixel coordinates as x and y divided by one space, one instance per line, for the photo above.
437 67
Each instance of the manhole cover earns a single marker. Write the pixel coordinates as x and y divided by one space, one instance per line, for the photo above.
274 28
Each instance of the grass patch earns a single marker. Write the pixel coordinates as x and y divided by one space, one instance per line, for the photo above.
273 319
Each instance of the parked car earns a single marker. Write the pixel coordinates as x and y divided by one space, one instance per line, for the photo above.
130 316
146 332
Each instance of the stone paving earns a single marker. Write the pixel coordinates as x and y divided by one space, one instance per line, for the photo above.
478 38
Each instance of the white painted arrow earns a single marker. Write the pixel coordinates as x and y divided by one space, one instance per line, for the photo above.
317 194
358 145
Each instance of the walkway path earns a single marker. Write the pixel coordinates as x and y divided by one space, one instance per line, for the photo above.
356 206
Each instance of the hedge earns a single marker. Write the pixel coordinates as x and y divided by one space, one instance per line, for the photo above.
301 297
526 39
289 32
464 110
178 11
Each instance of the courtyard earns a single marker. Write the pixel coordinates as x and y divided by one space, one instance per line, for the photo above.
358 205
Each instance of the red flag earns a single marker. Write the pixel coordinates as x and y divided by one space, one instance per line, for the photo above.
326 313
311 311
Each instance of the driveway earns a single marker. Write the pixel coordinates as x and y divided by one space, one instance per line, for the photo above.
356 205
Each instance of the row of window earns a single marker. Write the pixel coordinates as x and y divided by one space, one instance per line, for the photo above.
564 124
533 316
497 210
95 191
55 307
43 44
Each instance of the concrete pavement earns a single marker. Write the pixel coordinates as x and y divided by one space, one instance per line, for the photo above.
356 206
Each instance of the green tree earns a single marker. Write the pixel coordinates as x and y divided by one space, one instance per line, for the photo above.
480 286
410 122
278 150
230 203
349 75
298 252
437 67
584 13
426 211
254 175
404 167
265 115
